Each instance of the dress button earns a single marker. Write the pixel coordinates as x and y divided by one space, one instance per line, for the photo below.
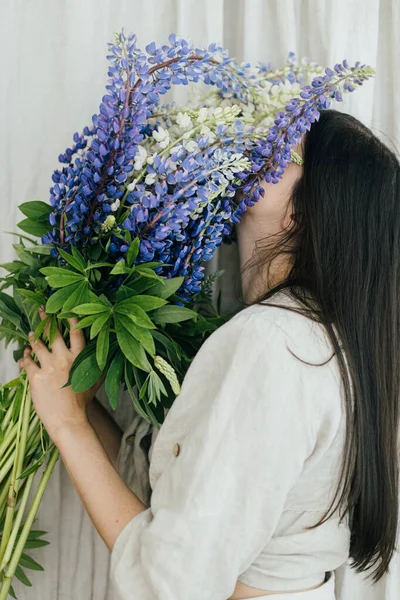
177 449
130 440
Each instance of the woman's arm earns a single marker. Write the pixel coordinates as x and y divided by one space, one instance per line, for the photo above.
106 428
109 502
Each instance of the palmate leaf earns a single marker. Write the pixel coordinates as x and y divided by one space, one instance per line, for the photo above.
102 346
167 288
131 308
133 252
58 277
131 348
85 322
36 228
146 302
113 379
60 297
91 308
87 373
120 268
81 295
137 404
75 259
98 324
141 334
173 314
36 209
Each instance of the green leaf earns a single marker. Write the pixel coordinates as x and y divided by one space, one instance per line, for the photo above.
41 327
91 308
76 262
13 267
168 287
35 544
98 265
146 302
173 314
59 277
9 302
135 401
37 297
36 228
113 379
173 349
120 268
28 562
81 295
86 374
133 251
127 307
60 297
85 322
142 335
20 574
102 346
11 592
98 324
43 249
95 251
145 270
10 315
35 209
25 256
53 330
133 351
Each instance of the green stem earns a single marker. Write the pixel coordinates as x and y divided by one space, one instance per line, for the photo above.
12 493
12 565
6 417
17 522
10 460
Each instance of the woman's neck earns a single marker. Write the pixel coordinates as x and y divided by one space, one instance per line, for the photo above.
259 279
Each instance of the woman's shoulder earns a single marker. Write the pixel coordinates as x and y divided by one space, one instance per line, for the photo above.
280 321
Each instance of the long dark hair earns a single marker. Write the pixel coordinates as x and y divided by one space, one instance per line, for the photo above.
345 254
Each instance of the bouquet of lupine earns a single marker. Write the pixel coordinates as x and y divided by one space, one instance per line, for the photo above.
143 198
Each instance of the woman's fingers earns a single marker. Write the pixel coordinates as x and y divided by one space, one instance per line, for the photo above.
76 336
28 363
40 349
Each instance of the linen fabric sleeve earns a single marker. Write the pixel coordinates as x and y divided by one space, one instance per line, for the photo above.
245 426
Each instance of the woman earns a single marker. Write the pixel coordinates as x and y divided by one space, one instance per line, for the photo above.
278 460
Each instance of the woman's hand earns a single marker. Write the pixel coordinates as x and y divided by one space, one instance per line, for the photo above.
58 408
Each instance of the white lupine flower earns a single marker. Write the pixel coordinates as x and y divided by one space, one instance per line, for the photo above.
203 114
184 121
150 178
161 136
191 146
115 205
140 158
206 131
131 186
150 159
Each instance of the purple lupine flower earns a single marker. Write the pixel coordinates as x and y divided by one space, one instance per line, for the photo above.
185 199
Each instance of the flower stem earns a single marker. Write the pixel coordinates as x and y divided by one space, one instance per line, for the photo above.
12 565
17 522
23 423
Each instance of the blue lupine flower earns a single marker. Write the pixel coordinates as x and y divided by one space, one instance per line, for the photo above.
182 196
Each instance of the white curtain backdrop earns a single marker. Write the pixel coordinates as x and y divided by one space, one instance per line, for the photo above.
53 72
